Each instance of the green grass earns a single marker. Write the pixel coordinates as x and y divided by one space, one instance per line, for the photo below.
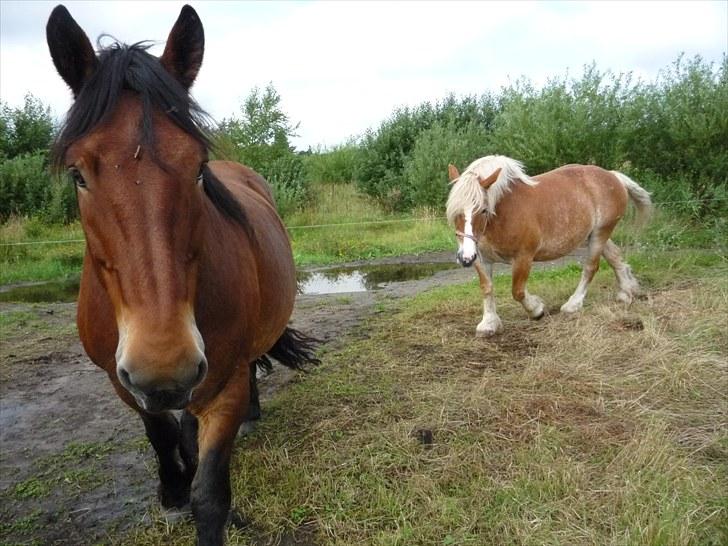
374 232
39 262
607 427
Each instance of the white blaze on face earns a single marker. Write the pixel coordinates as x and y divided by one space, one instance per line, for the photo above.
468 245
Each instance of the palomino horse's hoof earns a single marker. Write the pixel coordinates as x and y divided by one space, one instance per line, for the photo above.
624 297
488 331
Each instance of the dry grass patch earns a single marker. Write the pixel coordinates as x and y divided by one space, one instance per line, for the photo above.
608 427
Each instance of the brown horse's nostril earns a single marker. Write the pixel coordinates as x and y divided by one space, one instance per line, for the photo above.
201 371
124 376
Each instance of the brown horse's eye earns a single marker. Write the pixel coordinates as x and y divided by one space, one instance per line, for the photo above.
201 174
76 177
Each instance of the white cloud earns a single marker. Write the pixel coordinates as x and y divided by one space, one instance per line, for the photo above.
341 67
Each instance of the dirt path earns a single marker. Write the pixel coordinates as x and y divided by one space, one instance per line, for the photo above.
74 465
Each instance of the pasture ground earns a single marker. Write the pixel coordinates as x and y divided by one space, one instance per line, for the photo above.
608 427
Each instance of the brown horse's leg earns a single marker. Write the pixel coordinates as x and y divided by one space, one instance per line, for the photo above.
532 304
628 285
175 477
591 266
491 323
218 425
163 431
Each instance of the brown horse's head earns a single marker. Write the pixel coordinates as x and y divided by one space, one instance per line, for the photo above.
135 145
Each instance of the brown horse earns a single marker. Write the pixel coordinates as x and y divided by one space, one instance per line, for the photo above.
188 278
502 215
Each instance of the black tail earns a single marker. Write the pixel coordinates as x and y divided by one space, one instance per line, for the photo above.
293 349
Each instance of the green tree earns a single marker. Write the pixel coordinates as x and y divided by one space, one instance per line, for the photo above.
262 133
260 139
25 130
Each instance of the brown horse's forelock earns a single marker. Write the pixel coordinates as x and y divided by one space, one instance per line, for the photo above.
130 67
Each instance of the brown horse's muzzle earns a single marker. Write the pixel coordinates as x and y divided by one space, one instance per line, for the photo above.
161 368
156 399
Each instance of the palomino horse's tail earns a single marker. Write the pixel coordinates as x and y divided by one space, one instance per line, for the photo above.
293 349
639 196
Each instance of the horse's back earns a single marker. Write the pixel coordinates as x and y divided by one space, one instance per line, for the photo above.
556 215
585 187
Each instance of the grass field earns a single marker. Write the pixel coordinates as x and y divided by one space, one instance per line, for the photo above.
608 427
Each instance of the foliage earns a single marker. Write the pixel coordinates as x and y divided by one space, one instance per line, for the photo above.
425 170
567 121
678 130
287 180
335 166
384 154
27 189
260 139
25 130
669 135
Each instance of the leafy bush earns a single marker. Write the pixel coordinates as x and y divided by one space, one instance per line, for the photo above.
677 129
27 189
385 151
260 140
335 166
25 130
425 174
288 182
567 121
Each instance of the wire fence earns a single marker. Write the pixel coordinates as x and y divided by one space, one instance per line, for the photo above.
346 224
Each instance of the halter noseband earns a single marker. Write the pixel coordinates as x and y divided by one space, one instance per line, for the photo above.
466 236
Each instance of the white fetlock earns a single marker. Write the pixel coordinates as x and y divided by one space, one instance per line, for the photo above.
534 306
489 326
571 307
624 297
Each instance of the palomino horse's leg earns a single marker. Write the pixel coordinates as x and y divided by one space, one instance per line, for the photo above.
628 285
532 304
591 266
218 425
175 477
491 323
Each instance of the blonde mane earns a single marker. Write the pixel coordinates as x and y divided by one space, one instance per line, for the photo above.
467 194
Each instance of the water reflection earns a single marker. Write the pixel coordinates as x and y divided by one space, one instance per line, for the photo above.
361 279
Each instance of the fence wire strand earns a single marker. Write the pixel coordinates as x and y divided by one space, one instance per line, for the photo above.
345 224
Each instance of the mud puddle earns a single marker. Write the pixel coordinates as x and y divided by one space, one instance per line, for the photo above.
339 280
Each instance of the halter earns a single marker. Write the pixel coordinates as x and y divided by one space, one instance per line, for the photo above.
466 236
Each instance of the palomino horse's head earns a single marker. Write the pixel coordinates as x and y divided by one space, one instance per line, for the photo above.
468 213
134 145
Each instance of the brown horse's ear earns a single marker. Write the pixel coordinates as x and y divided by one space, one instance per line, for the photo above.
70 49
185 47
486 183
452 173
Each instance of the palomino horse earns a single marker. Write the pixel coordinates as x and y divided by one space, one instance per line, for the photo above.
502 215
188 278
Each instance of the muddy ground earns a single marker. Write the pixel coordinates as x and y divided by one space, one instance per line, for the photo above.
75 467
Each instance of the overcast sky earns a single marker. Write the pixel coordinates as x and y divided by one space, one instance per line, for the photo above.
341 67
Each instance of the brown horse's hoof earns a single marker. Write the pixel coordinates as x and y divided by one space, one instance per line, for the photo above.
174 497
237 520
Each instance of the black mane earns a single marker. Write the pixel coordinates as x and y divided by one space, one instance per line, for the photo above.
130 67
